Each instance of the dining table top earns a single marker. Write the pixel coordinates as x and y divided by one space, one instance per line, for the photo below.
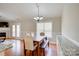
38 38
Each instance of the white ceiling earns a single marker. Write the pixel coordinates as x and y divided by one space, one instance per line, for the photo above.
12 11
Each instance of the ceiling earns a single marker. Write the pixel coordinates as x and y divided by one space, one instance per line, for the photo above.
14 11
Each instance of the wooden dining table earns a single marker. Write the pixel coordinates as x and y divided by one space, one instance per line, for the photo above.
39 40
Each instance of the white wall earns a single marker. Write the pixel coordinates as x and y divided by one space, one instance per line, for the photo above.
70 21
26 26
56 27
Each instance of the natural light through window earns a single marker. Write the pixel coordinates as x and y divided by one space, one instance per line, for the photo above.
45 27
13 31
16 30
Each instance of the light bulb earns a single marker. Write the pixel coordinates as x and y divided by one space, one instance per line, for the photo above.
41 18
34 18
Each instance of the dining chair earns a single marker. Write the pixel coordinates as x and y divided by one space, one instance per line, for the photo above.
44 45
30 46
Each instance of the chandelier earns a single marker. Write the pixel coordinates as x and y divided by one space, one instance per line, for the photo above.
38 18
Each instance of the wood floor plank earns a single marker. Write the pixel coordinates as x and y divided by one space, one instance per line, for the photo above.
18 50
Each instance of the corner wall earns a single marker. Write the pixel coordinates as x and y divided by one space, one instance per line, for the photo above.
70 22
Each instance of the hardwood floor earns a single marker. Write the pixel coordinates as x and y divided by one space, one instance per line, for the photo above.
50 50
18 50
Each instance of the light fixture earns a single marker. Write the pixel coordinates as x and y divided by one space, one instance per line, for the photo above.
38 18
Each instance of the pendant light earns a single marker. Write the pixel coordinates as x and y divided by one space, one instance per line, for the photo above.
38 18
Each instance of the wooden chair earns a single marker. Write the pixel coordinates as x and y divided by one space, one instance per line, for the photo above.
30 46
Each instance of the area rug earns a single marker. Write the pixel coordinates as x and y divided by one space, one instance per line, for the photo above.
5 46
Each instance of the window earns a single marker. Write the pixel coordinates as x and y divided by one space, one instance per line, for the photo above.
48 29
39 27
16 30
13 31
45 27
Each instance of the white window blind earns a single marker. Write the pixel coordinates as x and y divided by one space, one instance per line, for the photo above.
45 27
13 31
40 27
16 30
